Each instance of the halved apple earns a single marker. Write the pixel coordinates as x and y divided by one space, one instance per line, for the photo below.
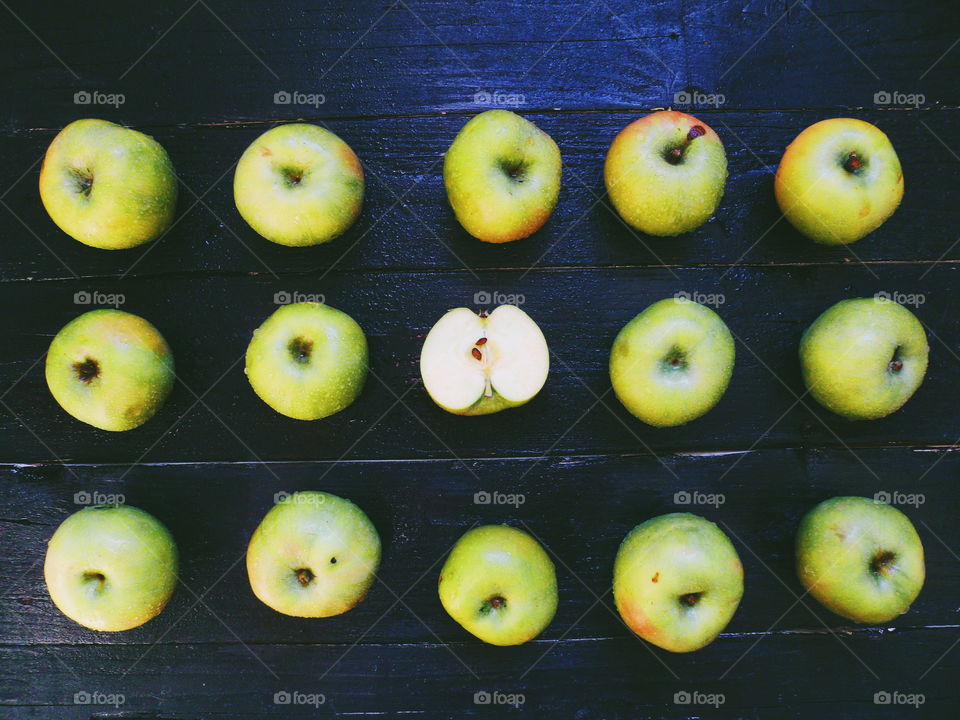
479 364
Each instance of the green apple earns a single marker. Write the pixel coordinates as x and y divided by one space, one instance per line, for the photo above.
110 369
862 559
479 364
665 173
299 185
108 186
502 175
313 555
677 581
839 180
307 360
111 567
672 362
499 584
864 358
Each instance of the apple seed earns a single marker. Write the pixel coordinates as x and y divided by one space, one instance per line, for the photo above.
476 353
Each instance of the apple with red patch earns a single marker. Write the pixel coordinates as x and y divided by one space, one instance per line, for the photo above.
677 581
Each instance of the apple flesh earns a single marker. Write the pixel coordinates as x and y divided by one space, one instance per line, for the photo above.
108 186
677 581
479 364
111 567
298 185
839 180
502 175
665 173
860 558
864 358
313 555
110 369
500 585
672 362
307 361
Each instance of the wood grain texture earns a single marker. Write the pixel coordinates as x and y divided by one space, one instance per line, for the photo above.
398 80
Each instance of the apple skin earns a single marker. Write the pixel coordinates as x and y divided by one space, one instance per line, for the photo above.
654 195
108 186
307 361
846 357
499 563
299 185
642 370
841 546
111 567
502 175
495 402
664 561
825 201
327 536
133 365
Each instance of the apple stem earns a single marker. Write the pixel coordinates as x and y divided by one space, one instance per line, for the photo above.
853 162
675 155
487 387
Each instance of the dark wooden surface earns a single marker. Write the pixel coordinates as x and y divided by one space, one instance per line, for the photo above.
399 79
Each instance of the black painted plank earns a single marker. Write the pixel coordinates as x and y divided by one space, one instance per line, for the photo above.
209 322
612 679
579 507
424 56
406 222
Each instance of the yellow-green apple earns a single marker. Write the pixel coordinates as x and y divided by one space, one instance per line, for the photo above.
502 175
108 186
665 173
313 555
677 581
478 364
839 180
864 358
672 362
308 360
862 559
500 585
111 567
299 184
110 369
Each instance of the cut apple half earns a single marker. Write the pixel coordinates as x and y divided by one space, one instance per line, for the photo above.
478 364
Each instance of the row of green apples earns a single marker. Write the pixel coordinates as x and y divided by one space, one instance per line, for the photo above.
677 578
298 184
863 358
